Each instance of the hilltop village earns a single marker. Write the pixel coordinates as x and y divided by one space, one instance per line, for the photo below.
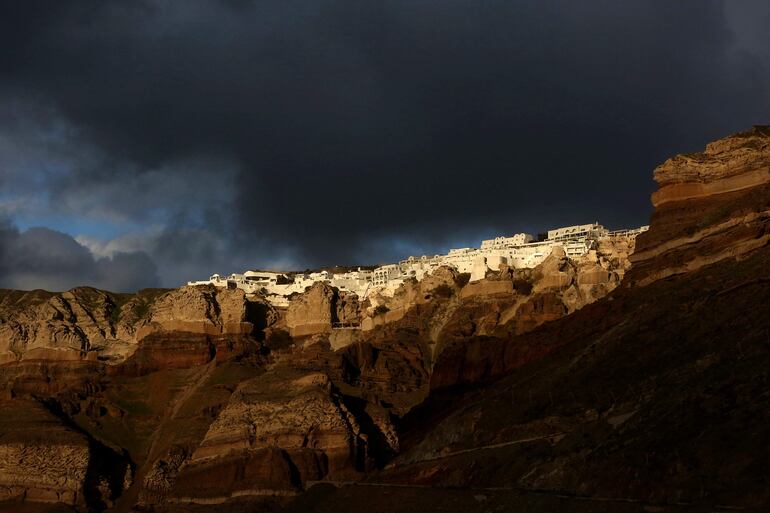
518 251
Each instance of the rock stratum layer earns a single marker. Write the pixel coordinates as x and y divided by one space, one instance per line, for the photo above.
710 206
633 379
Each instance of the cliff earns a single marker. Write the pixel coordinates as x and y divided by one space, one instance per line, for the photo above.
710 206
632 379
90 324
198 381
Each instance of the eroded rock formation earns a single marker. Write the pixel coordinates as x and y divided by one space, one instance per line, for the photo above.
580 377
86 323
278 431
199 309
710 206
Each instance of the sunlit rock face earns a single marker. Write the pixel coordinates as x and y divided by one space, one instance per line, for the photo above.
215 395
278 431
200 309
66 326
735 163
89 324
710 206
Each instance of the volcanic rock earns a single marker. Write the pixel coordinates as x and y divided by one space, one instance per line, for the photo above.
710 206
199 309
278 431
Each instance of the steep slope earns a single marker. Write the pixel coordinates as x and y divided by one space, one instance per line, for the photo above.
656 394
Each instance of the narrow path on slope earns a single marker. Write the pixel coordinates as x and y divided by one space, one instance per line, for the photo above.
550 493
557 494
553 436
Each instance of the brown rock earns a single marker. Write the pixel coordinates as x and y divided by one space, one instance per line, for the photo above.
70 325
312 311
43 460
487 288
199 309
710 206
731 164
280 429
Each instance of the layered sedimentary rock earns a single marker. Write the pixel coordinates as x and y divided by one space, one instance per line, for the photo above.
43 460
63 326
737 162
687 232
653 396
710 206
40 459
325 407
312 311
278 431
319 309
199 309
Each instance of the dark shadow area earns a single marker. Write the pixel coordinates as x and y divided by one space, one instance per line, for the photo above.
376 446
107 469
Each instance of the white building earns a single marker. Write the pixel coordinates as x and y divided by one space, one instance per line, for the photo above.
358 281
461 258
506 242
577 232
418 268
382 275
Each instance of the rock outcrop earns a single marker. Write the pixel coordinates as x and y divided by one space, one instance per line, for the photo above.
43 460
199 309
381 309
710 206
687 232
90 324
66 326
732 164
651 398
40 460
319 309
312 311
277 432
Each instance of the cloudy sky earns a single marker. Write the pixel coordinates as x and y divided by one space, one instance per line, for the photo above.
150 142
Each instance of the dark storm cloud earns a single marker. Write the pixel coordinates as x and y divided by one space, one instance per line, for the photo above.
43 258
329 132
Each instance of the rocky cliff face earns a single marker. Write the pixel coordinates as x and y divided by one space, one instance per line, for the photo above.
44 460
40 459
149 374
86 323
710 206
687 232
732 164
278 431
38 324
634 378
200 309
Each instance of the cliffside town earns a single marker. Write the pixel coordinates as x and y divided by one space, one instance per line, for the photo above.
520 251
588 371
